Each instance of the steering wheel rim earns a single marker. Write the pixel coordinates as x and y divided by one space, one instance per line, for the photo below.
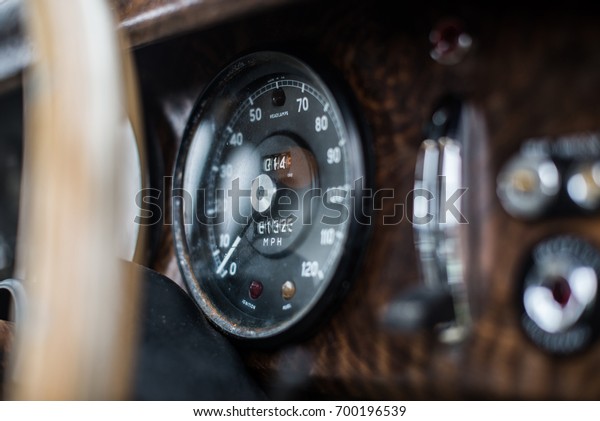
77 341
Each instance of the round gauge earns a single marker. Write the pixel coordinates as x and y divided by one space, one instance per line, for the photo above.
268 198
560 294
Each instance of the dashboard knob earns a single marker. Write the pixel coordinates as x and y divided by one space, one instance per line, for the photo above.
527 185
584 186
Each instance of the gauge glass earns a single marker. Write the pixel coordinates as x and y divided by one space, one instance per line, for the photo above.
266 205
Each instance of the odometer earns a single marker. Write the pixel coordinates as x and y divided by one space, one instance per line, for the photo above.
269 187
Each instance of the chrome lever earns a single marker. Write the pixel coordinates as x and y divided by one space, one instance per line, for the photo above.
440 301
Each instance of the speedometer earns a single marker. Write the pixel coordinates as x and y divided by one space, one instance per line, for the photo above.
269 198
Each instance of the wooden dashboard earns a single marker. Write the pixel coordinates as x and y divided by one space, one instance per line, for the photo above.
529 73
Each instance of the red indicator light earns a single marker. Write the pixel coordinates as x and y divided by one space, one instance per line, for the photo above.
561 291
256 289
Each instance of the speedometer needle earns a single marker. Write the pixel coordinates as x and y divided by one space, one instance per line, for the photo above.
263 191
229 253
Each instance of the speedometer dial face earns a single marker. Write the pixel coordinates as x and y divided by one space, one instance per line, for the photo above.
268 195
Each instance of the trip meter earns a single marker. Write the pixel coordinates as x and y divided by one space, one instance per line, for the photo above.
268 197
